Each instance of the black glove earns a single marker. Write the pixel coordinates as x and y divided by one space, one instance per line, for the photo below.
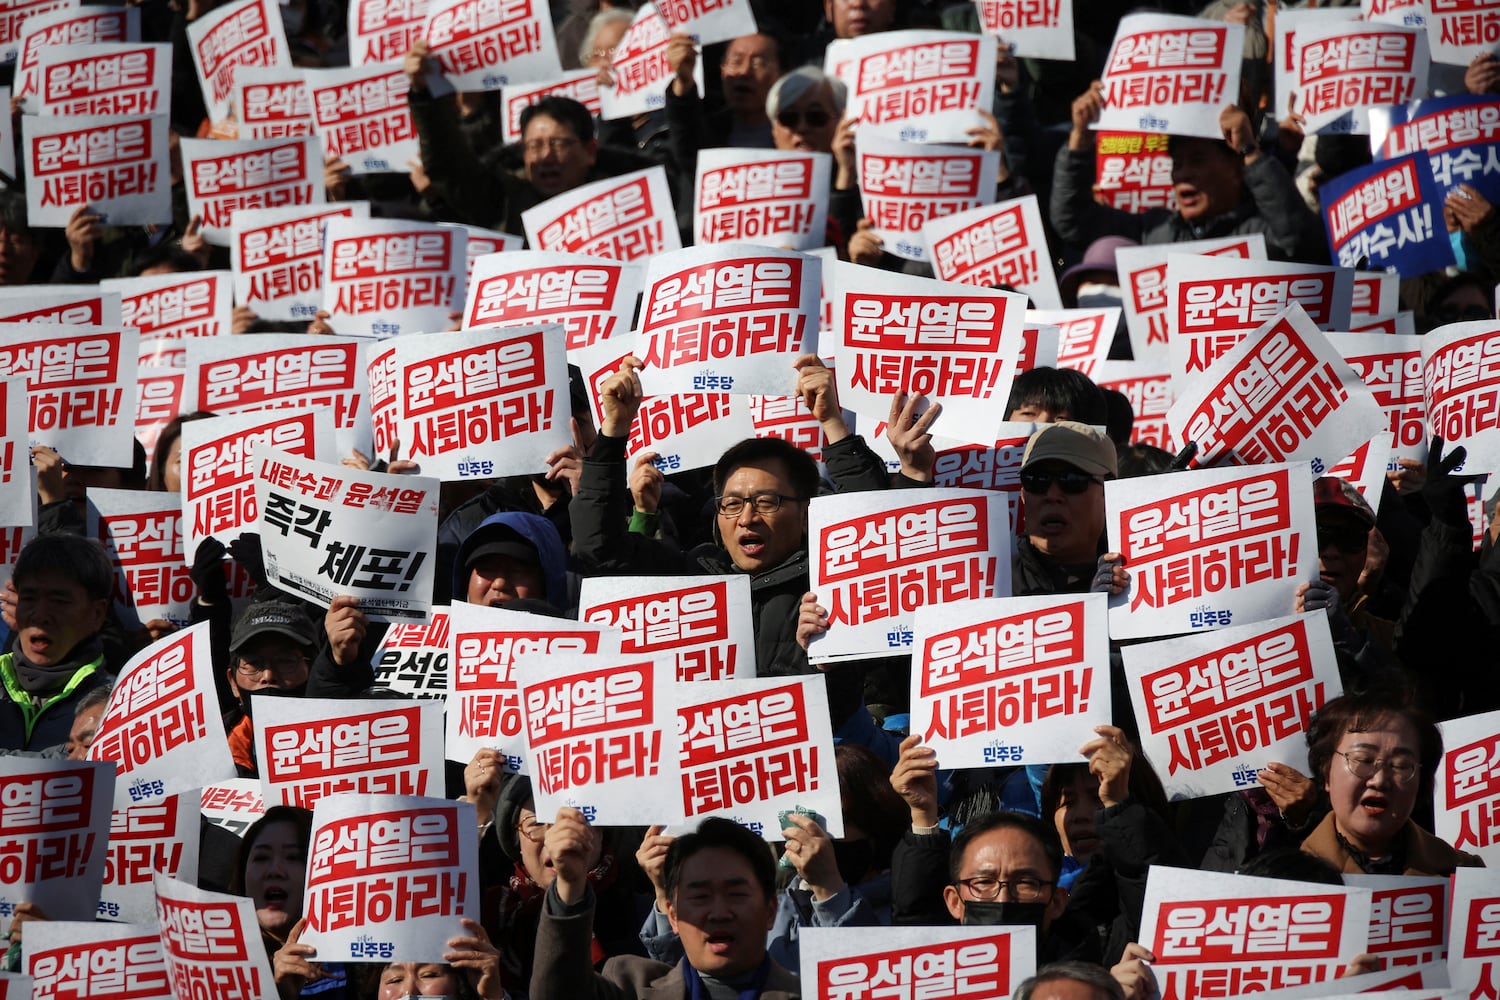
246 551
208 572
1445 494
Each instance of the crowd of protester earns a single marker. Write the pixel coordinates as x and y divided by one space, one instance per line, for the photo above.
574 911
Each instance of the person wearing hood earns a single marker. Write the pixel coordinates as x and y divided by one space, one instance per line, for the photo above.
271 650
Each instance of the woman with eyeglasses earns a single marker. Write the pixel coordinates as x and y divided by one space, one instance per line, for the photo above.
1375 754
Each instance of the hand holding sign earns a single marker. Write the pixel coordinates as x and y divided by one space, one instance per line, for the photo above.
651 856
1086 111
915 780
811 851
479 958
1110 757
570 845
620 398
1293 792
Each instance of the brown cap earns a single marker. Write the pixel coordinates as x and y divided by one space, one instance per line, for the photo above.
1080 445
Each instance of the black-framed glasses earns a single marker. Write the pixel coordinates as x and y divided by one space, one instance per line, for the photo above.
1070 481
290 665
1364 765
1027 888
1344 537
761 503
813 118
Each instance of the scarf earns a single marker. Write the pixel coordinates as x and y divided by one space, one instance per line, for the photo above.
697 990
1395 864
42 681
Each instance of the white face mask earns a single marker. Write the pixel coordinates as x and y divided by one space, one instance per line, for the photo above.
1093 295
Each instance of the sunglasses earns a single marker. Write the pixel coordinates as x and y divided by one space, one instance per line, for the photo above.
1071 482
795 119
1344 537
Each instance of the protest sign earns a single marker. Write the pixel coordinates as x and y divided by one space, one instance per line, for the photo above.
1149 389
15 16
727 318
995 466
1392 368
1386 215
752 749
481 242
700 626
484 699
70 305
1459 31
600 736
1458 135
71 24
1084 335
582 85
1461 390
1365 468
141 533
982 963
79 380
483 45
382 277
1001 244
1283 394
381 30
211 942
1344 67
104 78
173 307
592 297
225 176
620 218
1229 935
413 658
271 103
313 748
362 118
1017 680
955 344
709 21
481 403
1143 286
930 83
380 374
68 959
878 557
16 488
1216 708
7 138
116 164
906 185
1408 917
390 877
1166 73
640 70
243 33
1376 294
1466 799
1409 12
234 804
278 257
13 985
144 840
1209 548
56 819
788 418
305 510
1133 170
1398 324
775 197
1035 29
1474 931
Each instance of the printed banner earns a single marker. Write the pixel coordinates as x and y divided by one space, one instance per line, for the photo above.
640 70
243 33
79 379
305 510
699 626
1345 67
905 186
1392 368
1166 73
56 819
597 737
141 533
1018 680
1002 244
390 877
362 117
775 197
212 944
1143 286
1035 29
1133 170
709 21
278 257
413 658
382 277
1386 215
271 103
104 78
68 24
1408 918
311 748
878 557
68 959
930 83
982 963
1461 390
1460 30
117 165
146 840
592 297
629 217
485 45
380 31
1474 930
1466 800
753 749
582 85
1217 708
225 176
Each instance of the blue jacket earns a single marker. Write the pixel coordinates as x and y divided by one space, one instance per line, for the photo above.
533 528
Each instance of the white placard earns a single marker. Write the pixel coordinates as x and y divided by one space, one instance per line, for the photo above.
224 177
980 963
1000 244
116 164
104 78
485 46
775 197
210 939
141 532
242 33
80 387
629 217
931 83
278 257
595 299
362 117
1143 286
1461 390
88 959
701 626
57 829
900 201
382 277
1166 73
144 841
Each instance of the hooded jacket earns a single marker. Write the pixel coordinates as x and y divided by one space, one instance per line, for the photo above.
532 528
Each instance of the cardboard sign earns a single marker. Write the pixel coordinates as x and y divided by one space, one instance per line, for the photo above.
582 85
954 344
144 841
931 83
83 959
984 963
104 78
1019 680
1461 390
1468 785
382 277
79 382
878 557
481 403
243 33
380 31
481 45
1209 548
169 307
1460 30
1474 930
68 25
1408 918
1213 302
1215 709
600 736
16 488
413 658
700 626
142 534
1001 244
56 818
1035 29
755 748
1133 170
484 701
775 197
1459 136
390 877
1386 215
1344 67
278 257
211 943
362 117
1143 286
271 103
1392 368
727 318
234 804
593 298
307 509
225 176
640 70
905 186
1230 935
1084 335
709 21
1166 73
313 748
115 164
620 218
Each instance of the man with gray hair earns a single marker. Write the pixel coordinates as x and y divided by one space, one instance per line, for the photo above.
1070 981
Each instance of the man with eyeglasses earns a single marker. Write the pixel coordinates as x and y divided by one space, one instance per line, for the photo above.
271 649
750 65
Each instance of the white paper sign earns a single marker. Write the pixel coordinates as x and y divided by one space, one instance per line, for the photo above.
1474 911
1333 86
1001 244
69 25
1084 336
234 804
906 185
1033 30
104 78
1392 367
243 33
485 46
775 197
629 217
1461 389
115 164
173 307
363 119
381 31
982 963
141 533
16 488
700 626
1467 786
1143 286
1408 917
639 69
278 257
227 176
709 21
1460 30
80 387
594 298
931 83
1166 73
88 959
382 277
146 840
212 943
271 103
69 305
56 815
582 85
